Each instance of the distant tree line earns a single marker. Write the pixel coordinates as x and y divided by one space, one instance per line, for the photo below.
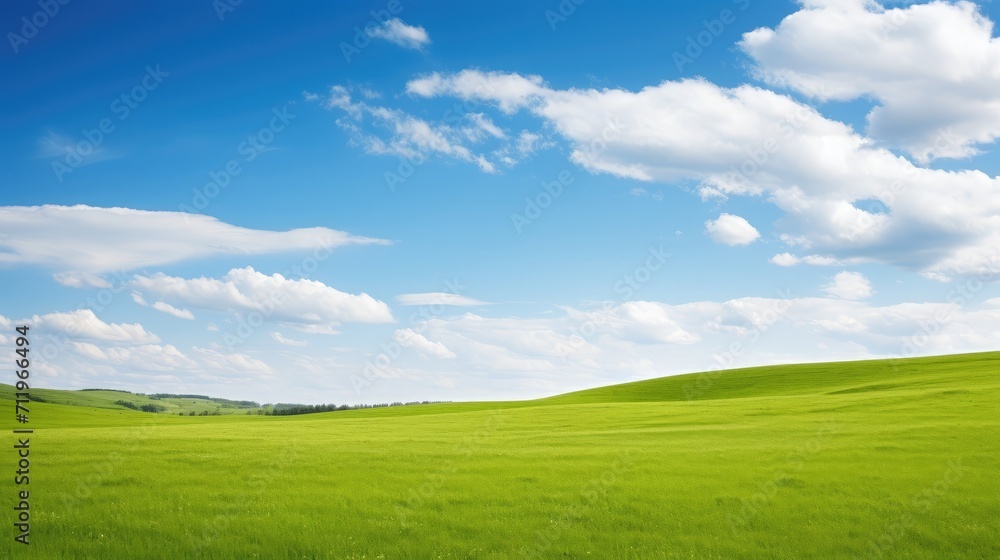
143 407
226 403
287 409
174 396
280 409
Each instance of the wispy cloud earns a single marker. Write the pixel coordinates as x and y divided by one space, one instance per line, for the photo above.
408 136
171 310
80 152
439 298
82 242
280 338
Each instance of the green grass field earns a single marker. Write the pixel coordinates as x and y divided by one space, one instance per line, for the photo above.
881 459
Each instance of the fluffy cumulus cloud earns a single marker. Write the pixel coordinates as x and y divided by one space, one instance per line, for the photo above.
511 91
933 69
79 349
399 33
613 342
85 325
147 357
844 199
573 347
850 285
643 322
731 230
89 363
278 298
83 242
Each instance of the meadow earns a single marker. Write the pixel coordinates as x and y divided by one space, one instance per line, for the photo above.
876 459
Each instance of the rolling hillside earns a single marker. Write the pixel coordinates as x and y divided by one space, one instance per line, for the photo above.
879 459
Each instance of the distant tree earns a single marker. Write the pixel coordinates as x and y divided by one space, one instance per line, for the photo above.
127 404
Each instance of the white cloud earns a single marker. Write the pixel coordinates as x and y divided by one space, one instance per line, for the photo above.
645 322
530 142
164 307
82 242
788 259
218 363
933 68
517 357
481 126
278 298
80 280
510 91
821 260
84 324
439 298
784 259
732 230
850 285
417 341
312 329
171 310
381 130
407 136
148 357
78 349
507 345
88 350
152 358
607 343
748 141
937 277
399 33
288 341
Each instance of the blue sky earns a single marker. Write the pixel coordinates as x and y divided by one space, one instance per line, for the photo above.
735 182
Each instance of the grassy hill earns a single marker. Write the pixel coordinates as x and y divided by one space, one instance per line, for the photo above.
109 398
878 459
